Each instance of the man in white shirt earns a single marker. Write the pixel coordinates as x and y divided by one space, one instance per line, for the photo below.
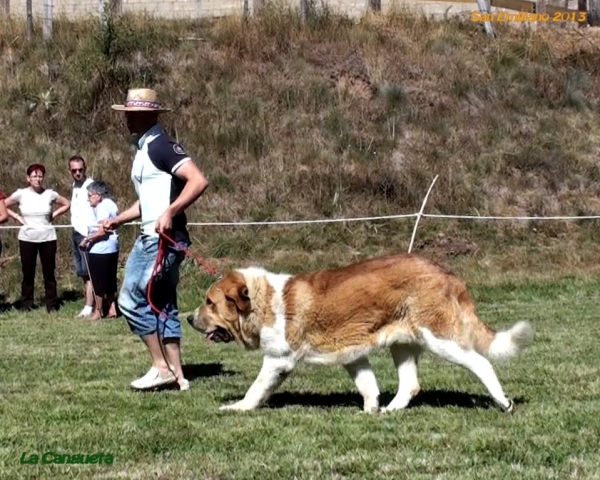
167 181
82 216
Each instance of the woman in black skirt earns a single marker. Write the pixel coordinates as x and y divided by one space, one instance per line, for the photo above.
102 251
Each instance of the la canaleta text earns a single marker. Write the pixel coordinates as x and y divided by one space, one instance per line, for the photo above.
47 458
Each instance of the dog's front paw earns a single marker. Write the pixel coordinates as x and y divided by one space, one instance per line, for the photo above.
371 408
511 407
237 407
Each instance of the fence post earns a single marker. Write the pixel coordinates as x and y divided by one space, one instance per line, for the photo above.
5 7
540 7
594 13
485 9
29 20
412 239
304 6
116 8
375 5
47 22
582 7
102 8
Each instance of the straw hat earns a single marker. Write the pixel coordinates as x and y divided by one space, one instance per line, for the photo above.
141 100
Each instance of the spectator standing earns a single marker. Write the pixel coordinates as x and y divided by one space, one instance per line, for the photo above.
81 219
37 234
102 251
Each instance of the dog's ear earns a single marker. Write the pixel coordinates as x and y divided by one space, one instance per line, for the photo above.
238 293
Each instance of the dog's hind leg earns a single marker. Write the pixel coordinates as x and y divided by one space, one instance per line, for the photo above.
272 374
473 361
406 360
366 383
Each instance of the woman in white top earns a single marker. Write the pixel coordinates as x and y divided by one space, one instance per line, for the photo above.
37 234
103 251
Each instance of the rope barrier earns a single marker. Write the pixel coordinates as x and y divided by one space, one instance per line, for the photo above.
353 219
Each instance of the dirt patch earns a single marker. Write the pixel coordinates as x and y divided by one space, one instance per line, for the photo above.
442 247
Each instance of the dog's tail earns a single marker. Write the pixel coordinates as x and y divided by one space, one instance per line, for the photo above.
497 345
511 342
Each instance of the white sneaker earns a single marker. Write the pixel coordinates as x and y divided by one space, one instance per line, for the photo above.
184 384
87 311
152 379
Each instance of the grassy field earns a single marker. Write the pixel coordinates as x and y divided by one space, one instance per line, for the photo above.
330 118
65 389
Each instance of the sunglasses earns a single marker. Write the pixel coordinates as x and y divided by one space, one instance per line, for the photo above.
76 170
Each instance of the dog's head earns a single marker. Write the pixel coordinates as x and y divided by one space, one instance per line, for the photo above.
223 315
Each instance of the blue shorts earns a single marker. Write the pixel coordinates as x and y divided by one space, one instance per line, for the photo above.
79 259
133 299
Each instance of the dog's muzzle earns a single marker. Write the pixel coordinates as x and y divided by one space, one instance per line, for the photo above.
219 335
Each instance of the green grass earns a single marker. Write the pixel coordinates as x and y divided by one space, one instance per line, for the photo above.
333 118
65 389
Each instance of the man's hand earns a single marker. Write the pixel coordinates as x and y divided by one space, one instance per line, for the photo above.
164 222
110 224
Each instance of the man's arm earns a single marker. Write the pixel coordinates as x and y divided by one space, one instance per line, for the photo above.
196 184
128 215
132 213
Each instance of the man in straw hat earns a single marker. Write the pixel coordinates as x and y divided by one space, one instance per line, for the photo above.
166 181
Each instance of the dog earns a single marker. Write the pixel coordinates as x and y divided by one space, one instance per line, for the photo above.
406 303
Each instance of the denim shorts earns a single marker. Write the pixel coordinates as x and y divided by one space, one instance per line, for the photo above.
79 259
133 299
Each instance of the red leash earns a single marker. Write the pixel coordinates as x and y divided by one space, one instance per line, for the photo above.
163 242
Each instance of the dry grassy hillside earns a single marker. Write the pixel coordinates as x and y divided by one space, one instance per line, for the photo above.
329 119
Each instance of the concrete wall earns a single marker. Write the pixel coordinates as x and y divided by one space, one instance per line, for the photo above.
160 8
214 8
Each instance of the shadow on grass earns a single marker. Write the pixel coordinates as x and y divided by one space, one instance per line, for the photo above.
6 306
70 296
428 398
205 370
65 297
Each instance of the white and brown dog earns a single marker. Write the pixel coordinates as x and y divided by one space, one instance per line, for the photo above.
403 302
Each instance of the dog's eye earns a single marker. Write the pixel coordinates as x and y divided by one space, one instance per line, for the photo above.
208 302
